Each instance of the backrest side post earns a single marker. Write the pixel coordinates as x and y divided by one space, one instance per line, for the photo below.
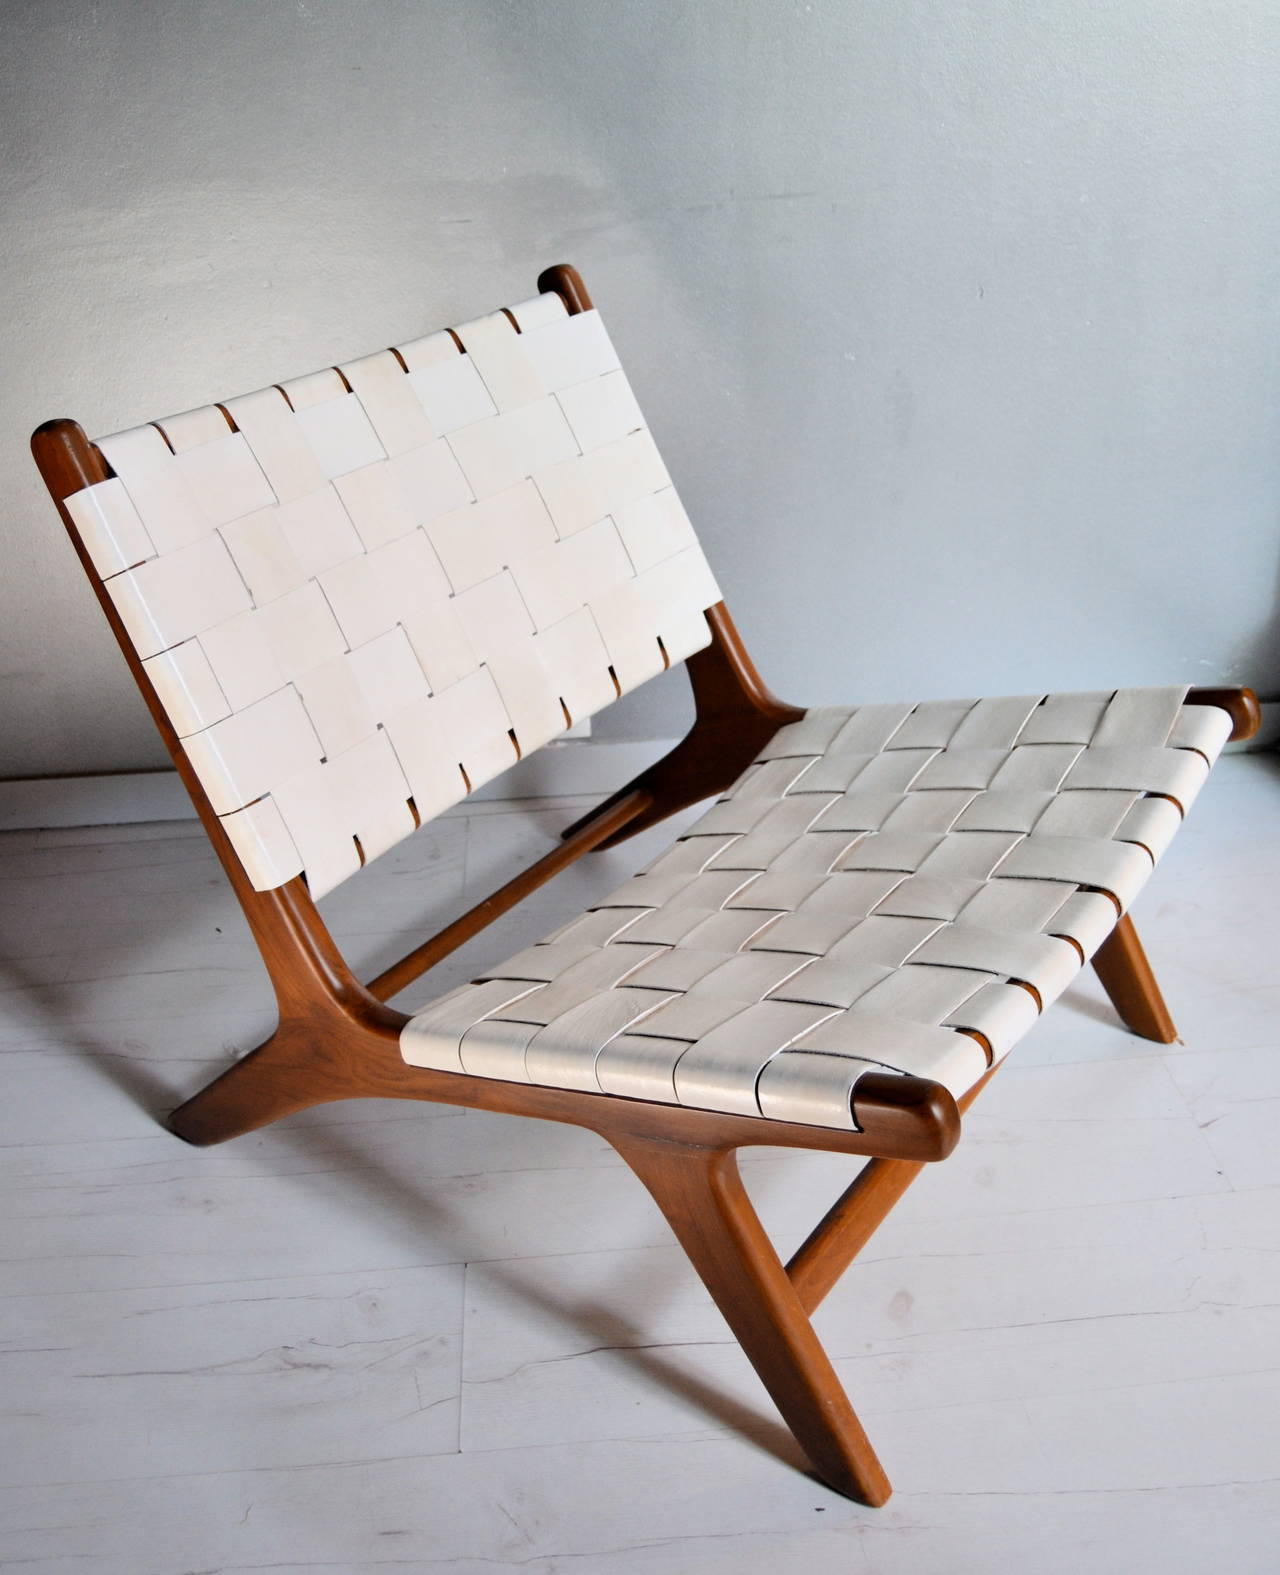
302 958
726 682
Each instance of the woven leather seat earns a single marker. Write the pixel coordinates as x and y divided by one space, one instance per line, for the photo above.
891 887
351 597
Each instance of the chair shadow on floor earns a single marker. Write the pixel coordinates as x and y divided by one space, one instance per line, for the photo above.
155 1087
395 1198
141 1080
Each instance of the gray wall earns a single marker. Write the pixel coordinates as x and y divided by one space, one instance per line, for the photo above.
956 319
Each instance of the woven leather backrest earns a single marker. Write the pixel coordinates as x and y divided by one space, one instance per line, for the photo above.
364 592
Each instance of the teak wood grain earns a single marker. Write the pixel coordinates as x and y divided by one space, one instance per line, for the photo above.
337 1039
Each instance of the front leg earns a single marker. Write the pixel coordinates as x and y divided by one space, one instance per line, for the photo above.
701 1194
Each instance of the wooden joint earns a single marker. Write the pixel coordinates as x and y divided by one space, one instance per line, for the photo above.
909 1117
736 716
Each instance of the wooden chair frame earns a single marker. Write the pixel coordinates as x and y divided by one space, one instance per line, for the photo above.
337 1039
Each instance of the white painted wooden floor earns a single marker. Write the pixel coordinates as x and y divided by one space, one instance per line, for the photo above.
392 1337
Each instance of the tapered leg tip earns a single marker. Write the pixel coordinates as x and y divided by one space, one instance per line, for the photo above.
872 1494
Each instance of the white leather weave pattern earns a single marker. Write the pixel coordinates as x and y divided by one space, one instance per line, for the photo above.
879 887
383 582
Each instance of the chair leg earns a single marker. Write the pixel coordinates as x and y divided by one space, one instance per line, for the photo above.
1122 966
262 1086
701 1194
848 1225
853 1219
